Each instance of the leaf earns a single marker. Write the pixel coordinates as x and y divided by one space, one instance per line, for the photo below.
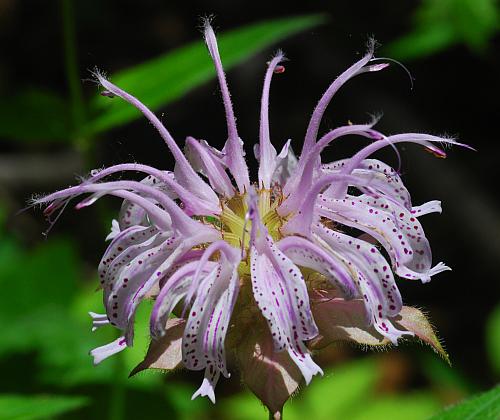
415 321
165 353
345 320
32 407
272 376
35 115
164 79
412 406
493 338
440 24
485 406
46 276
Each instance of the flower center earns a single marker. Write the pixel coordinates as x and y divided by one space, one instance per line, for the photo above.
235 226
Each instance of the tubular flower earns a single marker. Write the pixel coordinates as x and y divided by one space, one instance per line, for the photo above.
267 271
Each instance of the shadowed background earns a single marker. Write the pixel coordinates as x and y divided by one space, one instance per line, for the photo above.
48 103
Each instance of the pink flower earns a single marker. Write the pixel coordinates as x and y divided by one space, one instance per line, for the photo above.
265 270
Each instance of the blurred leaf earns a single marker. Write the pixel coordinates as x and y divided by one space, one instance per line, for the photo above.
34 115
485 406
412 406
178 394
162 80
36 315
45 281
444 377
349 391
133 355
442 23
32 407
493 338
332 396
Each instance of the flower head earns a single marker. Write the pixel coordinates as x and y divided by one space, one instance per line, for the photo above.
271 270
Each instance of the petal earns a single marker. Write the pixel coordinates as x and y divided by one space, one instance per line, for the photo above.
172 292
164 353
425 140
207 388
184 173
126 246
115 230
302 179
141 275
307 254
103 352
302 205
208 322
281 294
98 320
164 181
267 153
383 179
319 110
233 150
433 206
203 160
374 279
396 228
287 163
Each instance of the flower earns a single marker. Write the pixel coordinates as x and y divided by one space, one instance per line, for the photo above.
270 270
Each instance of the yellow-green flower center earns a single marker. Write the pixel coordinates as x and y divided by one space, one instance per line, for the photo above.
235 228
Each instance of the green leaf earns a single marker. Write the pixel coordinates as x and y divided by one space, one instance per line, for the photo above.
493 338
485 406
440 24
411 406
34 115
166 78
33 407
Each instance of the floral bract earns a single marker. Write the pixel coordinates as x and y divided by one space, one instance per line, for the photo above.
261 274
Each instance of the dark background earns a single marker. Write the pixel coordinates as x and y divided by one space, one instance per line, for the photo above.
455 92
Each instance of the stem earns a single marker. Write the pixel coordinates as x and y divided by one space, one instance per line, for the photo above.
72 72
278 415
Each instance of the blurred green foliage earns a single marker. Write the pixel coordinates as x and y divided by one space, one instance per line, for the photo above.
42 116
168 77
16 407
440 24
485 406
35 115
493 339
46 369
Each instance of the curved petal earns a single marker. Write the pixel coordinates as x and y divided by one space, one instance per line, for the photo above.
319 110
396 228
307 254
374 279
233 150
184 173
383 179
267 153
203 160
